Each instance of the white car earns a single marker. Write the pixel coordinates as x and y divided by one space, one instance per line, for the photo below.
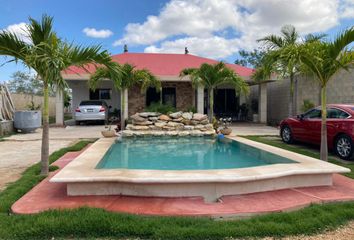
91 110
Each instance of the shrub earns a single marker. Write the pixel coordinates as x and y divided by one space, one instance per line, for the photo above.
191 109
161 108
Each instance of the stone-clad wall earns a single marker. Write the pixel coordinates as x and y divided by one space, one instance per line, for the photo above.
184 97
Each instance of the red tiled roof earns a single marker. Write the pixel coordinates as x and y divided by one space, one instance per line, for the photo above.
163 64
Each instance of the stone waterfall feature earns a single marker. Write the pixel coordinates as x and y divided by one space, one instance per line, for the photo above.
174 124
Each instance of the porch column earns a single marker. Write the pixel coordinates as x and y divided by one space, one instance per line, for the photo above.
59 107
125 95
200 99
262 103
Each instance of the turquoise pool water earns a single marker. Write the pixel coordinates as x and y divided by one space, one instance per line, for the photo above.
196 153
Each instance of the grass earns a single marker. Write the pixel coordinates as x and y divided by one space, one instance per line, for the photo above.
97 223
66 117
307 150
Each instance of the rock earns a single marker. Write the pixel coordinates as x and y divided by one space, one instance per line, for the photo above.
142 123
172 133
198 127
174 124
153 119
149 114
186 121
160 124
139 127
127 133
187 115
137 118
177 119
158 133
209 126
188 127
205 121
128 127
199 117
196 133
176 115
209 132
168 128
153 127
183 134
164 118
193 122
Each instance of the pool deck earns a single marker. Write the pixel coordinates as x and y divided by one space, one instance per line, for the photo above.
48 195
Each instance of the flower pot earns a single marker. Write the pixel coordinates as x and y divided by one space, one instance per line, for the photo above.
108 133
226 131
27 121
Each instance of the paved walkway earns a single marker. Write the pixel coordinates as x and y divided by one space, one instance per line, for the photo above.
243 129
20 151
48 195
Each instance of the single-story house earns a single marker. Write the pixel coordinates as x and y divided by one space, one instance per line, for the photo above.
176 91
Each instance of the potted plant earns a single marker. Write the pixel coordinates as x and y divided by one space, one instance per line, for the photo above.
109 132
225 122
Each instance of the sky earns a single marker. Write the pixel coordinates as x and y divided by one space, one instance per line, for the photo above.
215 29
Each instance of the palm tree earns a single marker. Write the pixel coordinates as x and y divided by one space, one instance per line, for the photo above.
324 59
213 75
48 56
129 77
285 55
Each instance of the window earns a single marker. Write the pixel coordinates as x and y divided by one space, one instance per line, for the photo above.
168 95
100 94
314 113
336 113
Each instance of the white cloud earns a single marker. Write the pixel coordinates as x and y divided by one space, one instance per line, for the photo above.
219 28
20 30
92 32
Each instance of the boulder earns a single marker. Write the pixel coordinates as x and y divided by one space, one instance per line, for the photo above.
137 118
128 127
128 133
197 133
142 123
199 117
177 119
176 115
160 124
194 122
174 124
205 121
209 132
149 114
198 127
158 133
186 121
187 115
153 119
188 127
172 133
153 127
164 117
139 127
183 133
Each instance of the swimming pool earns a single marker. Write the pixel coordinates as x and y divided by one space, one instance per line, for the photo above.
185 153
189 167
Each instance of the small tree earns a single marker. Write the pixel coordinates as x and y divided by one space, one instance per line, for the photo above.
324 59
213 75
128 77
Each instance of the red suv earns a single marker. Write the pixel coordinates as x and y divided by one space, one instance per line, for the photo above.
307 128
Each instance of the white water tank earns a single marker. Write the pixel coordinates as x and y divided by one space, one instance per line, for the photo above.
27 121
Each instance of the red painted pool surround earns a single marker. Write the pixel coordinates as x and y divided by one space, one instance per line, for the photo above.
48 195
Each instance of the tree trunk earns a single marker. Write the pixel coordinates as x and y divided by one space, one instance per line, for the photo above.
324 147
211 104
45 132
122 109
291 97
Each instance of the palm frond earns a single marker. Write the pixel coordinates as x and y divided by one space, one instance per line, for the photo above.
341 42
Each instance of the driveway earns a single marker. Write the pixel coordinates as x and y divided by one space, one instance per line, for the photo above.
20 151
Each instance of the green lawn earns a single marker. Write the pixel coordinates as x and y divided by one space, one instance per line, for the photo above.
96 223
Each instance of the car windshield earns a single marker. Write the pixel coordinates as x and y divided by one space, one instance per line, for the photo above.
86 103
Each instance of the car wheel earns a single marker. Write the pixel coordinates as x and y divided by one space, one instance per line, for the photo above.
286 134
344 147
